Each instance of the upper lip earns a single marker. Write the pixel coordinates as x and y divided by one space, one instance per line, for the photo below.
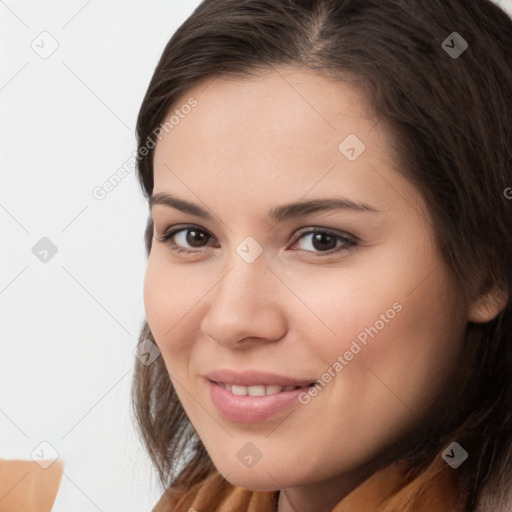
254 377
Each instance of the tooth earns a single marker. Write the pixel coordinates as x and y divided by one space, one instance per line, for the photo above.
273 390
256 390
239 390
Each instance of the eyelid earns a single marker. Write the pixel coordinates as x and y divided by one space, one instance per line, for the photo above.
171 231
175 228
320 229
348 242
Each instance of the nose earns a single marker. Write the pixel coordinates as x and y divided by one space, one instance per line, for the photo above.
245 307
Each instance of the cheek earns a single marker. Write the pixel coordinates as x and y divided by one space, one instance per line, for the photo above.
175 297
157 298
396 326
167 298
413 360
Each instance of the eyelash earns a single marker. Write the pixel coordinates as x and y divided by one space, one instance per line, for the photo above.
349 242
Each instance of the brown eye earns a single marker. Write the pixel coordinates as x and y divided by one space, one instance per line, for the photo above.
322 241
195 237
186 238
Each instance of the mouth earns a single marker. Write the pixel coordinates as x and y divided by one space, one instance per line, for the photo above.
254 403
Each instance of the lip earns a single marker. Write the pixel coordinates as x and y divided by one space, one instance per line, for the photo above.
252 409
253 377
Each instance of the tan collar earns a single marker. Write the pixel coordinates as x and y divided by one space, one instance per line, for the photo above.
392 489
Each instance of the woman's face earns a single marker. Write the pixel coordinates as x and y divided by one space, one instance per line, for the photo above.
305 257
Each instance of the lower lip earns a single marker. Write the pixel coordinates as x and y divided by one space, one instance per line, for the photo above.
252 409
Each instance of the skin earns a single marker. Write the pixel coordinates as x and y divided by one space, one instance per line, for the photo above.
254 144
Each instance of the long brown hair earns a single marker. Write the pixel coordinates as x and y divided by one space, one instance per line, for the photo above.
450 119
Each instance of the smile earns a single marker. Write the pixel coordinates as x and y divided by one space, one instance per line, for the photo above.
256 389
253 403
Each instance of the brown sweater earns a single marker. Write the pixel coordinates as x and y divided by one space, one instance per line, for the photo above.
391 489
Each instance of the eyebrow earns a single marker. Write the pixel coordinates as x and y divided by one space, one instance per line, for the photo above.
277 214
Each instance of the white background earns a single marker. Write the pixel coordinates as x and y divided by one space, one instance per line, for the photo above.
69 325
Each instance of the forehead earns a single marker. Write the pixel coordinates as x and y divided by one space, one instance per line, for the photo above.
283 132
290 104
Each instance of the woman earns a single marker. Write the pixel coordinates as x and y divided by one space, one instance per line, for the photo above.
329 257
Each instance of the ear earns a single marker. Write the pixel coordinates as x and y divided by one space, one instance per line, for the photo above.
487 306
